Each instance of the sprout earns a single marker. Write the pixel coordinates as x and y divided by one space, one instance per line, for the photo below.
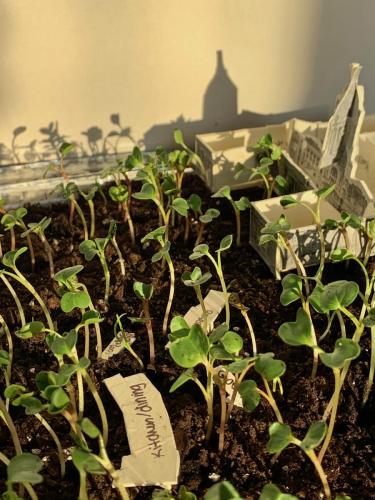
336 295
10 260
33 406
195 279
22 469
74 295
89 197
267 154
203 251
96 248
281 436
238 206
120 194
69 191
163 254
15 218
39 229
191 346
120 333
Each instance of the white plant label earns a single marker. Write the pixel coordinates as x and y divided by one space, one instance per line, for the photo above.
117 345
154 458
220 370
214 303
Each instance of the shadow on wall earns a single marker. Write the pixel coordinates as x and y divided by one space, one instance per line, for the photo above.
220 113
96 145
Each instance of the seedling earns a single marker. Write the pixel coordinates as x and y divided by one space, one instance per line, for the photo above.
238 206
267 153
191 347
12 219
121 333
64 151
74 295
88 462
321 194
346 220
366 317
336 295
96 248
22 469
112 235
52 384
10 260
144 292
183 494
281 436
272 492
163 254
69 191
202 250
195 279
39 228
193 157
202 219
89 197
19 396
120 194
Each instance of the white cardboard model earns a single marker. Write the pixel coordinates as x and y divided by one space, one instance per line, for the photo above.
154 458
314 154
319 155
220 152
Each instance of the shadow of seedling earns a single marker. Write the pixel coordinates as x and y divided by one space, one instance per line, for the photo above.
97 146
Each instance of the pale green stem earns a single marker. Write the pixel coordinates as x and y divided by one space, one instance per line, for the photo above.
171 292
335 403
150 333
107 464
251 331
48 250
92 218
10 349
99 404
107 277
342 324
371 373
21 279
119 255
83 220
272 401
15 298
219 272
198 291
55 438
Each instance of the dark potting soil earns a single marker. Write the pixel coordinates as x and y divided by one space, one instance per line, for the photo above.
349 461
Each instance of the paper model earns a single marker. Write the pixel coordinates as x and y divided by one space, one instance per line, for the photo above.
314 155
324 154
154 458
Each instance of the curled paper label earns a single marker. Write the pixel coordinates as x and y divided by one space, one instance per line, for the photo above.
221 372
154 458
117 345
214 302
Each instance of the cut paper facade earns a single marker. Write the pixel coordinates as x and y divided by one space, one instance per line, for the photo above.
314 155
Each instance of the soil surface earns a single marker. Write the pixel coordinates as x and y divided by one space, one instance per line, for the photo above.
349 461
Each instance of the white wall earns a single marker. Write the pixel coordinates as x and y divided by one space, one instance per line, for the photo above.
76 62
